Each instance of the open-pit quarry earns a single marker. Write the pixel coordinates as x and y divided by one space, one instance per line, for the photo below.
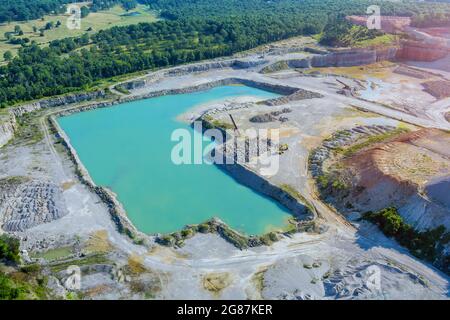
355 135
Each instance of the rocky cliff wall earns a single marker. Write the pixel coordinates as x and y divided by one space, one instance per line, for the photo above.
279 89
8 126
419 51
353 57
57 102
252 180
203 67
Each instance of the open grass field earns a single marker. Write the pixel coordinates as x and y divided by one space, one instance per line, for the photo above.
54 254
380 41
95 21
380 70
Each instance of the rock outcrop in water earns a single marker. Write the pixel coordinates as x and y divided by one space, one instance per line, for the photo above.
27 203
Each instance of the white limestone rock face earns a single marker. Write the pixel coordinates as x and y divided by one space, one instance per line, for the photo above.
56 288
25 203
7 128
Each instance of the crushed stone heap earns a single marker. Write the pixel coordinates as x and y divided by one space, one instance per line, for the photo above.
27 203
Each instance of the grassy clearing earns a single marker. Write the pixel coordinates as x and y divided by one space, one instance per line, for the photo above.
216 282
95 22
369 141
29 130
98 243
380 70
136 264
89 260
54 254
122 90
380 41
67 185
214 123
258 280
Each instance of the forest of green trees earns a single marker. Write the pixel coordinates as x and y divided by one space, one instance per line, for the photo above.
23 10
191 30
431 19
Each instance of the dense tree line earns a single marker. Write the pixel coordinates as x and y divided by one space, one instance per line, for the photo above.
192 30
432 19
37 72
21 10
338 32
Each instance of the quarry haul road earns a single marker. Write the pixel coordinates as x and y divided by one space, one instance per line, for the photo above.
49 143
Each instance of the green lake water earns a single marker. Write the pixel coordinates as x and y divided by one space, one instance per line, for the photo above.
127 148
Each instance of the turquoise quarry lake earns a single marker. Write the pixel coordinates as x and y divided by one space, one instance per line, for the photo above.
127 148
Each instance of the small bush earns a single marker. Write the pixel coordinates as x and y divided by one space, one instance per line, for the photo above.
8 290
9 249
31 269
389 221
166 240
187 233
323 181
203 228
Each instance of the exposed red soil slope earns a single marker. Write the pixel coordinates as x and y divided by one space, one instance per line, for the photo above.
442 32
389 172
418 51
